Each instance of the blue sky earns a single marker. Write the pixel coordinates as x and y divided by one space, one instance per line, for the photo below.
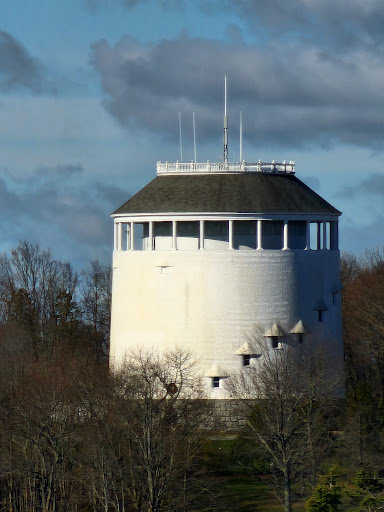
90 92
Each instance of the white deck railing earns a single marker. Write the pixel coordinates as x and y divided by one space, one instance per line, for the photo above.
221 167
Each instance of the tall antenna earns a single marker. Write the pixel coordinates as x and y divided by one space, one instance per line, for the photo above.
241 136
225 122
181 141
194 134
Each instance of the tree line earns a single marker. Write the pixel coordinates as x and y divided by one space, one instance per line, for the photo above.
74 437
46 305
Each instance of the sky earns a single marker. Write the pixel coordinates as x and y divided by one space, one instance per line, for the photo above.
91 90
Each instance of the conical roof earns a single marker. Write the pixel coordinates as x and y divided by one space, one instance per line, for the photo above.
226 193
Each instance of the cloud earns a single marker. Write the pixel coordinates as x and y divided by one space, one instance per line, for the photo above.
71 217
60 171
292 95
94 5
372 185
356 236
341 24
18 69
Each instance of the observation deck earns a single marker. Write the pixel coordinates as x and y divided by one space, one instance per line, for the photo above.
228 167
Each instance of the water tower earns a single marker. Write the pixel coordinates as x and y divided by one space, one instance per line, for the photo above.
206 251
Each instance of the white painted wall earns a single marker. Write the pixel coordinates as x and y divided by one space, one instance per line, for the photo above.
208 301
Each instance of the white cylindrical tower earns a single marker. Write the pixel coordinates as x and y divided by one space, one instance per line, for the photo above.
206 254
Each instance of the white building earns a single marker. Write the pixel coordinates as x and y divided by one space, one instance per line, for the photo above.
205 252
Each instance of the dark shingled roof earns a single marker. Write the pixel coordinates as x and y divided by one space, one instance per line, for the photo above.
235 193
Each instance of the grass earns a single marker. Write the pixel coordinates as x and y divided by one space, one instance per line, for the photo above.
233 487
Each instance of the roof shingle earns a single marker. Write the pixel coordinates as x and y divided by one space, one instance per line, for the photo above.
232 193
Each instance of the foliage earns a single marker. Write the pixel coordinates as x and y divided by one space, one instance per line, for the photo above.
370 490
326 496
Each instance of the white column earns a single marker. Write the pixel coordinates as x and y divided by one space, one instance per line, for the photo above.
150 236
132 237
308 236
115 236
201 235
230 235
119 235
259 234
129 228
286 244
324 235
174 235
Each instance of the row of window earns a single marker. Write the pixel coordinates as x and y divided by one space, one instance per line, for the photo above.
224 235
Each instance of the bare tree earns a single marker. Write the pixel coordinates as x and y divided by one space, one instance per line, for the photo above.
285 392
146 432
37 296
95 302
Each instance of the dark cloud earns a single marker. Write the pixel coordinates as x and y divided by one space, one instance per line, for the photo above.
71 217
372 185
112 194
343 23
291 95
356 236
94 5
18 69
60 171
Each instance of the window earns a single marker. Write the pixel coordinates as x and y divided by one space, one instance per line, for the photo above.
244 234
272 234
188 235
300 337
334 235
216 382
334 296
320 315
140 236
246 359
297 234
162 232
216 235
274 341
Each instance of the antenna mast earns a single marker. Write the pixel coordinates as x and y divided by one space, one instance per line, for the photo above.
241 136
225 122
181 141
194 134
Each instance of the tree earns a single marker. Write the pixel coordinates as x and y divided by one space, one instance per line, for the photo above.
146 435
363 315
371 491
286 392
95 302
326 497
37 297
